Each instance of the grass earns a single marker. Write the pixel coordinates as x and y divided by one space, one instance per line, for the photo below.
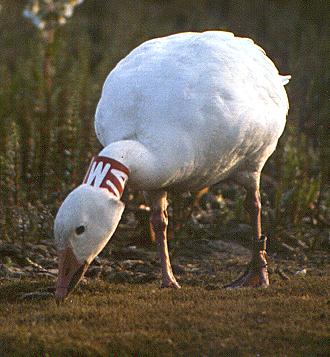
103 319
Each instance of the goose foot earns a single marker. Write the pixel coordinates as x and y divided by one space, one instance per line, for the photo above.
170 283
255 276
159 222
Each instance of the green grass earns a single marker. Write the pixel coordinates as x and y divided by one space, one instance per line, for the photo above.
103 319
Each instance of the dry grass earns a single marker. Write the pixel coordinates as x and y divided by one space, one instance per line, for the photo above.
102 319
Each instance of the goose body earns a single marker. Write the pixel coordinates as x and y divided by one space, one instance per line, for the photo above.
204 107
178 113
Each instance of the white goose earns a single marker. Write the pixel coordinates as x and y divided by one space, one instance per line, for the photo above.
178 113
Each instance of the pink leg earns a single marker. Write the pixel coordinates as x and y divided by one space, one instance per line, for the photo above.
256 274
159 223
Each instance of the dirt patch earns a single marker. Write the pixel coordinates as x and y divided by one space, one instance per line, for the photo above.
195 262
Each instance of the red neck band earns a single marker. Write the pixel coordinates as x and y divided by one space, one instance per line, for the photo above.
107 173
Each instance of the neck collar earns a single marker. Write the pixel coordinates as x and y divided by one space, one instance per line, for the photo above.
107 173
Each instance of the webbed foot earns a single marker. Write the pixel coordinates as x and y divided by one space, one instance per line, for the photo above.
256 274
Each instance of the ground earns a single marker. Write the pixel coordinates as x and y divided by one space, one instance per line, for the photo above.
119 310
105 319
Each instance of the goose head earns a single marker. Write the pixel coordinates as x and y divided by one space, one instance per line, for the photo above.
83 225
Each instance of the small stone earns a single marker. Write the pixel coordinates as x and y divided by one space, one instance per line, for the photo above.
178 269
36 295
282 274
94 272
131 262
301 272
29 268
53 271
97 261
107 269
302 244
288 248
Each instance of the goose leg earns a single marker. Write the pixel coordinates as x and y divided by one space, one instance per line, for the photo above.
159 222
256 274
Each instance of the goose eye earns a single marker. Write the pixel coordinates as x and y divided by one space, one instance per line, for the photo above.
80 230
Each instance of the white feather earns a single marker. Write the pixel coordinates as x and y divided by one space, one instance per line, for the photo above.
200 106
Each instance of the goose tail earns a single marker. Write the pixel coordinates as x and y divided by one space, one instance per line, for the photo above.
285 79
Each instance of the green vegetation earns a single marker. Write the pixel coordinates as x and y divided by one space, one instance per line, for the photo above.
52 75
105 319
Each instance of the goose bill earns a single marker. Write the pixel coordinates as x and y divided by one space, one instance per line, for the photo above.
70 271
